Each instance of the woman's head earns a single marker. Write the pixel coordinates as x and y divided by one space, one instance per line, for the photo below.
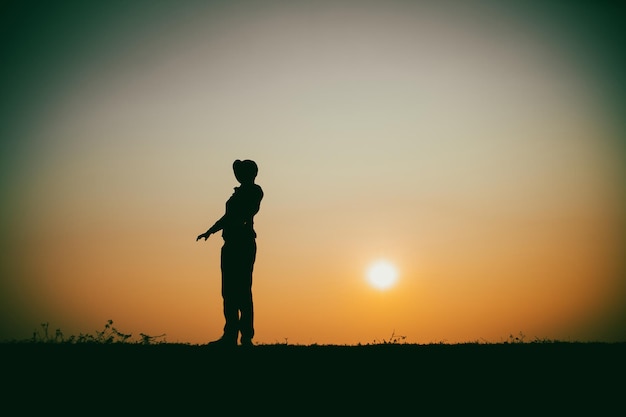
245 171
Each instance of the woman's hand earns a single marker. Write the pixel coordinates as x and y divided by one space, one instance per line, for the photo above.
204 235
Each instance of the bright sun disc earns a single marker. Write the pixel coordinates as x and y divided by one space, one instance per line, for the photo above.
382 275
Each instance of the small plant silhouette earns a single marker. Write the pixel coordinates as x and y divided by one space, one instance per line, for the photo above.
148 340
108 335
43 335
393 340
515 339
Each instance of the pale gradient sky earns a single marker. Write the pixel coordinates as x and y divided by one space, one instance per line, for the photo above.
476 147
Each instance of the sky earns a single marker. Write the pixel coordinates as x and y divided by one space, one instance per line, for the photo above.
476 146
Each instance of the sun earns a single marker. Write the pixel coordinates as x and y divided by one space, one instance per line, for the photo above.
382 274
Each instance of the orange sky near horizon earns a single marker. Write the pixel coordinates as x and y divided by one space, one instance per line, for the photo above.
476 149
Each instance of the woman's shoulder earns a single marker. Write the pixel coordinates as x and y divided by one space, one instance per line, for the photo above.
251 189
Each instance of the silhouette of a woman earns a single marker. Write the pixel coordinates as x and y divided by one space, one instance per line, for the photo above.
238 254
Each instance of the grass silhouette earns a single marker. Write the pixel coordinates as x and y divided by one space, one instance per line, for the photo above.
109 371
107 335
111 335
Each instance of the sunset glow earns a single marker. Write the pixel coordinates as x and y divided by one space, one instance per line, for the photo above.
479 149
382 274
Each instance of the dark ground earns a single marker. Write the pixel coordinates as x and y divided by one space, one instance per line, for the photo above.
438 379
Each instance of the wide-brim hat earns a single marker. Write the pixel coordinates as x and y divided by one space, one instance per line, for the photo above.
246 168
